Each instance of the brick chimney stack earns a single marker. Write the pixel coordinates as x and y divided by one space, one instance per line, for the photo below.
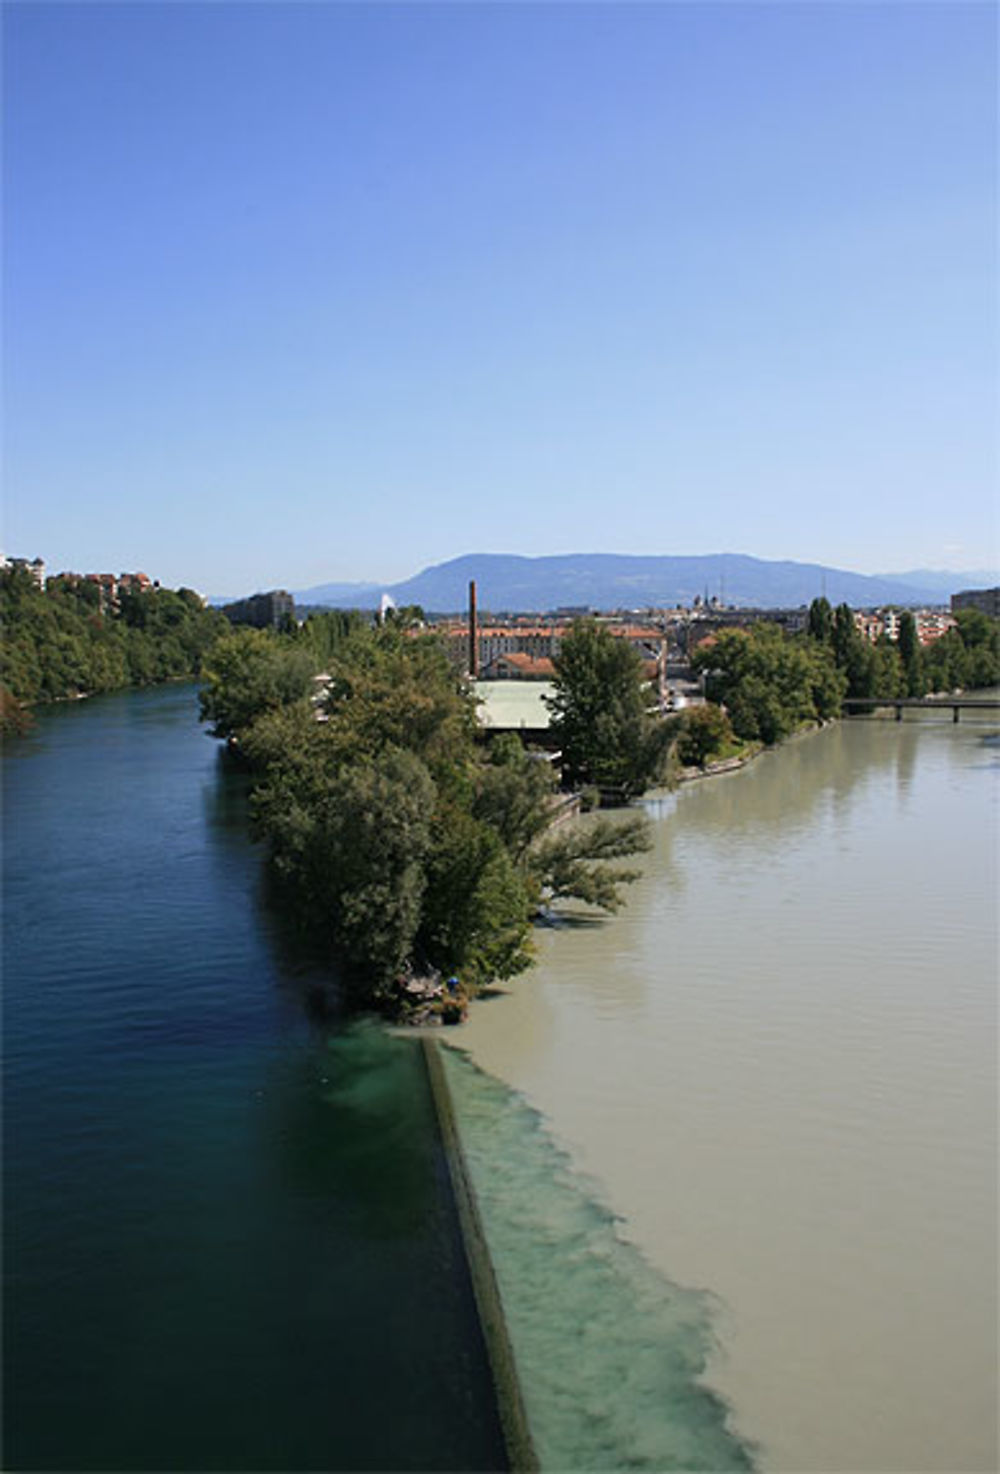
473 633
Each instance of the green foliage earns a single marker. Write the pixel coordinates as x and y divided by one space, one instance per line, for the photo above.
911 655
882 672
600 713
389 689
704 731
770 684
966 657
350 840
396 838
868 669
978 631
478 906
573 862
65 640
845 638
326 631
512 794
251 672
406 616
820 623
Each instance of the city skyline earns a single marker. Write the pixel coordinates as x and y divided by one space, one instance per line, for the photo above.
335 292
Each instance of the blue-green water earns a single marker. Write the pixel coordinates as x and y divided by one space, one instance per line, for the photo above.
229 1241
612 1357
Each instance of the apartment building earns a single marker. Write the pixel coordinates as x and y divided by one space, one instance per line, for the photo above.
987 601
874 623
35 567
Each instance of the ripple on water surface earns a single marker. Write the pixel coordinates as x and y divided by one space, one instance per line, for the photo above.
610 1355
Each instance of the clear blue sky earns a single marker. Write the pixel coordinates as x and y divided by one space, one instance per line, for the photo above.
298 292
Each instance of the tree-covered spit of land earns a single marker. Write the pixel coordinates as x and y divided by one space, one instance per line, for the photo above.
401 845
69 639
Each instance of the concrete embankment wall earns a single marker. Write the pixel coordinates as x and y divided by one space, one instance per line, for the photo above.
510 1404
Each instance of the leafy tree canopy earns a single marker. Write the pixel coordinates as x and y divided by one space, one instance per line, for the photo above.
769 683
397 838
703 732
70 638
600 712
249 673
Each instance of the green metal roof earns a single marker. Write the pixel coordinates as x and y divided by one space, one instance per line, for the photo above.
509 705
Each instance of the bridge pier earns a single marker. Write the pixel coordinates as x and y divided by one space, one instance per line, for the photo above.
954 714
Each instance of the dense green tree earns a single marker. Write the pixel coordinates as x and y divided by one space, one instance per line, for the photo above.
512 793
251 672
326 631
770 684
397 837
600 713
820 623
350 841
869 670
966 657
885 671
867 673
978 630
478 903
981 637
406 616
391 689
911 655
946 664
573 863
70 638
845 637
704 731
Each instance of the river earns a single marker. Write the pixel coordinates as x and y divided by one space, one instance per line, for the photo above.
229 1241
736 1148
778 1067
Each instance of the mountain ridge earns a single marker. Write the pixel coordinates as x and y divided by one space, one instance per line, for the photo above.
509 581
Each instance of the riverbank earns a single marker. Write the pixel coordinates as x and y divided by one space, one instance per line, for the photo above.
723 765
753 750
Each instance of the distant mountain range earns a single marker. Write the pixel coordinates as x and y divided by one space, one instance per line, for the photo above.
947 583
619 581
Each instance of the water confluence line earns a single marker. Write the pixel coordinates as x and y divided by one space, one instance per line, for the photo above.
521 1454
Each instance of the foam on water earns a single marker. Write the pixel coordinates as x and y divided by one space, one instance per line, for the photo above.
611 1356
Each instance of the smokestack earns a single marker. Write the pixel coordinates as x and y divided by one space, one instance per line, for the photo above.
473 633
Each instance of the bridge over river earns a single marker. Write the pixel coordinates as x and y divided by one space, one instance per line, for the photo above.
858 705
